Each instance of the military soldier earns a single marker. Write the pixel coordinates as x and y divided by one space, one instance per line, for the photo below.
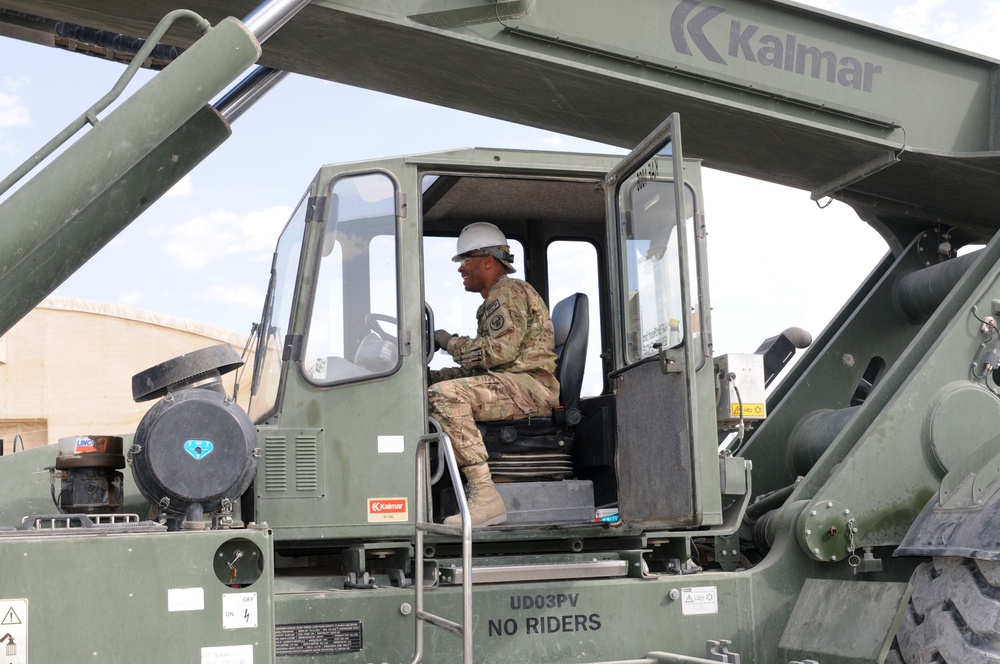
506 372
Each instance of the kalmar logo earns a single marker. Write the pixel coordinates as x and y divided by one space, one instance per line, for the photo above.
752 43
387 506
696 26
387 509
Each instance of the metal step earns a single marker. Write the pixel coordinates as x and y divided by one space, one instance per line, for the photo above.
597 569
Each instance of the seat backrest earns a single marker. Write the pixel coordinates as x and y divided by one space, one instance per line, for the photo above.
571 322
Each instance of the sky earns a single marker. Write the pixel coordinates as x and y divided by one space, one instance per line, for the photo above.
203 251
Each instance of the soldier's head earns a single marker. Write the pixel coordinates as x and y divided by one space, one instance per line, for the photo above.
483 256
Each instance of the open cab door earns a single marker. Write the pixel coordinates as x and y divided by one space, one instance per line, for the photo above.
666 456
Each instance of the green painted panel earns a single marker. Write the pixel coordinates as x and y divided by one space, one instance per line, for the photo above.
554 621
149 597
844 622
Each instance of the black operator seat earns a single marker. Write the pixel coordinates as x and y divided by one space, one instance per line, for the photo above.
571 324
552 434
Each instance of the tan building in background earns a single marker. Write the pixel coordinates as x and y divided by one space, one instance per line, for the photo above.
66 368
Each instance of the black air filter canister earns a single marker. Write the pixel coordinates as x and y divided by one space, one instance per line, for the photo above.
192 450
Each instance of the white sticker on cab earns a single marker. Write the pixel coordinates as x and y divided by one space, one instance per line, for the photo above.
185 599
390 444
239 610
227 655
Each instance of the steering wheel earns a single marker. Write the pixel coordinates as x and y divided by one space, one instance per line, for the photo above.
373 322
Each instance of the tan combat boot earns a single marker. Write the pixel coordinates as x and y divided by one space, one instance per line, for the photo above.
485 504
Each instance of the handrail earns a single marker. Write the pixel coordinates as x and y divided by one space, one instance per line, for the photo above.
262 22
424 523
90 115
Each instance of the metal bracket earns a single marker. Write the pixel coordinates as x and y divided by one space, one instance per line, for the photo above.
316 208
401 204
294 348
719 651
672 360
856 174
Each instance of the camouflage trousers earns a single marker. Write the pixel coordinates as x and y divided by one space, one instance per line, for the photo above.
457 405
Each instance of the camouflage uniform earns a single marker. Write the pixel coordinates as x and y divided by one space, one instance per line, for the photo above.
506 372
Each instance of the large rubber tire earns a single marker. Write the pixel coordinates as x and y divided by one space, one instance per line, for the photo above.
954 613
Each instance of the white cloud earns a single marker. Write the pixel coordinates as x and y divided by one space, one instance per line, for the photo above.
200 240
131 298
829 5
184 187
14 82
238 295
971 25
980 35
13 113
773 254
916 18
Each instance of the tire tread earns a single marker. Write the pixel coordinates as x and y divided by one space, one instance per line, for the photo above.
954 614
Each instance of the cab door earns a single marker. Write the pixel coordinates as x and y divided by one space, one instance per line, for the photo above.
666 449
344 333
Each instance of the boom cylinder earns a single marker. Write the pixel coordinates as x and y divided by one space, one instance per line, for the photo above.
919 293
58 198
813 435
52 260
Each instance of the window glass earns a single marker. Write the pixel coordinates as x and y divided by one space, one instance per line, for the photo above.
454 308
572 266
277 311
651 262
352 329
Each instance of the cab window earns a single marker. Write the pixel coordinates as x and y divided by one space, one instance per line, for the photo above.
651 265
352 329
572 268
277 312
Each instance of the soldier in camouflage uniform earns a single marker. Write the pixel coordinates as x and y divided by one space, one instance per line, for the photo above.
506 372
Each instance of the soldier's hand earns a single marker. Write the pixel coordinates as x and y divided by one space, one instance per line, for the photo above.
441 339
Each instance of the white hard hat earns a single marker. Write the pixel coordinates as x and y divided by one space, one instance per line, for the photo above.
487 239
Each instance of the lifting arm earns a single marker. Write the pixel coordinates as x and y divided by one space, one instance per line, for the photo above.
767 89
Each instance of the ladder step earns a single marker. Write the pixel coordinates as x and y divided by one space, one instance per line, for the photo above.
597 569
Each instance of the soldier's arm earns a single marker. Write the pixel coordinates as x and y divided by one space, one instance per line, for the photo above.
506 327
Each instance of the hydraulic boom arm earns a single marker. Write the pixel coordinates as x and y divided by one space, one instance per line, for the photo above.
767 88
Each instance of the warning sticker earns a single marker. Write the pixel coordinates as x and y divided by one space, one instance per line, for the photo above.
387 509
749 410
699 601
14 631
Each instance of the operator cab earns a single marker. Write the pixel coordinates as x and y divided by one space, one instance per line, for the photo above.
363 275
556 229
